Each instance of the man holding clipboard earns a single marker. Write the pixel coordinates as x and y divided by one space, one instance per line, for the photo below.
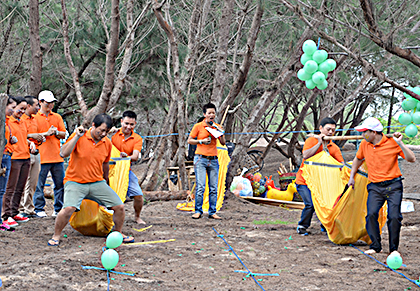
204 134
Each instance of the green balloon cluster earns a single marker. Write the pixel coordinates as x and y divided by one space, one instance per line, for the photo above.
394 261
410 118
114 240
316 66
110 259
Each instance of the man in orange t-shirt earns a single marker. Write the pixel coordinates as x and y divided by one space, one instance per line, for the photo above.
87 175
381 156
312 146
129 144
205 160
26 208
51 126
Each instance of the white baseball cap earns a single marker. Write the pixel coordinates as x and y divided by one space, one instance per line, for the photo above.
47 96
370 123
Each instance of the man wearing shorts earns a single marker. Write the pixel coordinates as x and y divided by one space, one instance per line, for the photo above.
87 175
129 144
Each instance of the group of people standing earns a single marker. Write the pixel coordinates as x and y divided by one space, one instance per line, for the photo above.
33 133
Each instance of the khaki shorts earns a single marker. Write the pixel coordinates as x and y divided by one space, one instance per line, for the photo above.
100 192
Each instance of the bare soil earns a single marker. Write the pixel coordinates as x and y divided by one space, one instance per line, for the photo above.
200 260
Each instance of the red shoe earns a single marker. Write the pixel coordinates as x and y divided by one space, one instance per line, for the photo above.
10 222
20 218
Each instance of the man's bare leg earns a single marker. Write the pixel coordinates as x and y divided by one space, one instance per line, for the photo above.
119 216
61 221
138 206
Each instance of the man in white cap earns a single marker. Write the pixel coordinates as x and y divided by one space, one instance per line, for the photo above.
51 125
381 156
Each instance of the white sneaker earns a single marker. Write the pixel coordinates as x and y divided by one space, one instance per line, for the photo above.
55 213
41 214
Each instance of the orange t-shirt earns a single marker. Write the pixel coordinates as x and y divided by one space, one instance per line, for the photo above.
21 148
310 143
134 142
381 159
199 131
32 126
87 159
50 149
8 147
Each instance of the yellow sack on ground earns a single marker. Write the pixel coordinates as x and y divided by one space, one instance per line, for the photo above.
96 220
224 160
327 178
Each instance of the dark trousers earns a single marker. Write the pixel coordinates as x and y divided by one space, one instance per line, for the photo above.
378 194
308 211
19 171
57 174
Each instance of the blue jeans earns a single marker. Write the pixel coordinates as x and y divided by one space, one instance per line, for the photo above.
203 166
377 196
133 186
6 162
308 211
57 173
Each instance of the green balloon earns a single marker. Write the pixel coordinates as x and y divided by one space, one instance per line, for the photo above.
109 259
418 106
404 118
309 47
411 130
416 90
114 240
410 103
323 85
320 56
405 94
416 117
310 67
310 84
332 64
324 67
318 78
303 76
394 261
304 58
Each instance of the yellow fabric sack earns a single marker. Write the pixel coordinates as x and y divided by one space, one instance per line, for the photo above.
93 219
326 178
224 160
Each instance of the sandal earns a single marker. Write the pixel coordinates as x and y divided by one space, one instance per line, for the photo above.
196 216
128 239
53 242
215 216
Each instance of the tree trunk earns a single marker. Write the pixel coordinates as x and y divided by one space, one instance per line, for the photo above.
35 84
165 195
3 138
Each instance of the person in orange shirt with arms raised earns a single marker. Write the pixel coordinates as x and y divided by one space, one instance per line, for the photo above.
19 167
313 146
7 156
205 160
26 208
51 126
87 175
381 156
129 144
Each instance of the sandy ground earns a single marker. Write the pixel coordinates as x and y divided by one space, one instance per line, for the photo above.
200 260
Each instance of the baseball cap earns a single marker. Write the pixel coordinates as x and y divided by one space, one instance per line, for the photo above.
370 123
47 96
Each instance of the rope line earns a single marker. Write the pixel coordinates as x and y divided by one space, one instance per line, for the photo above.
263 132
411 280
249 272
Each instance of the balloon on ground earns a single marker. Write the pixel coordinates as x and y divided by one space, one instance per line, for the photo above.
109 259
114 240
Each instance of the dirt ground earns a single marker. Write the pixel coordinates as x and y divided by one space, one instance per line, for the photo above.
200 260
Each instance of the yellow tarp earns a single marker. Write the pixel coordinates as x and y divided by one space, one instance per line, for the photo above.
224 160
345 222
93 219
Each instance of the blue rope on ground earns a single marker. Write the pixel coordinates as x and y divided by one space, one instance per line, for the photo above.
107 277
257 274
249 272
411 280
107 272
